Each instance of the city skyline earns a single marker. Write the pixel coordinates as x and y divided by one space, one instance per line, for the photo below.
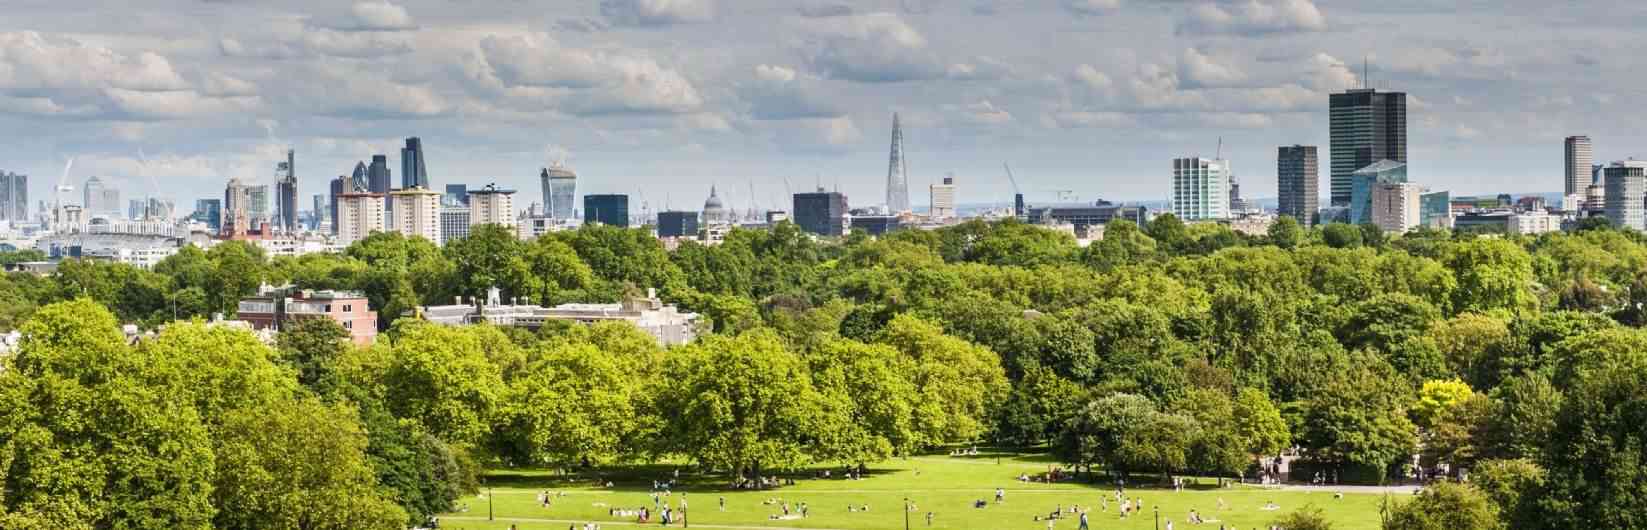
1125 87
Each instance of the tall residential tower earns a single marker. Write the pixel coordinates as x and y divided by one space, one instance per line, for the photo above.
1577 155
1366 126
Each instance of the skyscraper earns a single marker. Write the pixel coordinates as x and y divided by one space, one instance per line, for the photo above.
1200 188
560 186
286 193
1577 157
100 199
943 199
413 174
236 213
454 222
1365 126
321 211
610 209
897 172
1626 192
14 197
257 207
1298 181
358 181
377 178
1396 206
209 211
340 186
823 213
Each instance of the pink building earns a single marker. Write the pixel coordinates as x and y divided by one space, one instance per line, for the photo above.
350 310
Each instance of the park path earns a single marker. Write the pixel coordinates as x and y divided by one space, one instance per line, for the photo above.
617 523
1407 489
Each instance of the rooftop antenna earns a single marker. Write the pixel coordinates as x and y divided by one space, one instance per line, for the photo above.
1219 154
1365 83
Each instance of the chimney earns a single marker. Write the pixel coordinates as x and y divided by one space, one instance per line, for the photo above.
651 292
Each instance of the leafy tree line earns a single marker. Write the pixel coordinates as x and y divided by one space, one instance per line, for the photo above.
1164 348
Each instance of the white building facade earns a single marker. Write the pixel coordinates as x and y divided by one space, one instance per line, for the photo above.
416 212
1200 189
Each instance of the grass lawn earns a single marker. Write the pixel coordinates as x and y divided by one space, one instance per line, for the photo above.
946 486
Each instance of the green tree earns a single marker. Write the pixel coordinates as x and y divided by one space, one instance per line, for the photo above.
1259 425
238 268
1597 450
491 256
1445 506
1359 416
578 403
86 443
298 465
872 382
1514 486
1309 517
742 404
960 383
1341 235
1522 417
311 346
1123 244
440 377
1216 446
1285 232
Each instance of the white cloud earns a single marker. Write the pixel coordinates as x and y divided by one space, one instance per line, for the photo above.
982 68
174 104
780 74
1197 70
871 48
583 81
380 16
1091 7
657 12
1092 79
224 85
1087 119
31 61
1252 18
982 112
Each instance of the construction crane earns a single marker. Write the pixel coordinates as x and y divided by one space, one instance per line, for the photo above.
1017 194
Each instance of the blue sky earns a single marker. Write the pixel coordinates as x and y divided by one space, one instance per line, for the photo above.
666 97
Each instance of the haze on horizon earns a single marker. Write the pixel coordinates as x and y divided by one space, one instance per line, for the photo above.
668 97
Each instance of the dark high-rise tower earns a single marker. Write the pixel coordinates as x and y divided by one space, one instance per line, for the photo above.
14 197
340 186
413 174
897 172
821 213
1366 126
377 179
1298 179
286 193
609 209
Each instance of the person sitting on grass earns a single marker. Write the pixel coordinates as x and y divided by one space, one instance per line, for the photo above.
979 503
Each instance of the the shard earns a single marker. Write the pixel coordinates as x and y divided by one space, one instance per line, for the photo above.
897 172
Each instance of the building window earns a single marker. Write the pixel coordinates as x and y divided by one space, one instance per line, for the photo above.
347 308
348 324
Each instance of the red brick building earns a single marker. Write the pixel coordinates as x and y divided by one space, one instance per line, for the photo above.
273 310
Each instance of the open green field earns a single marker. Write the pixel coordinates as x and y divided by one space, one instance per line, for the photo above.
946 486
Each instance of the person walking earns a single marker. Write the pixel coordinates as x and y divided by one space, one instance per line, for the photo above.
1084 521
929 518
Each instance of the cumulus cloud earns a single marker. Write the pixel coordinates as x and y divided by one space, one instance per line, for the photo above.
224 85
828 135
780 93
1091 7
873 48
981 68
657 12
372 16
1253 18
35 62
582 81
1197 70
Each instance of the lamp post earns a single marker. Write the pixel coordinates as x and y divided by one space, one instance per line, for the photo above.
906 513
489 503
1157 517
